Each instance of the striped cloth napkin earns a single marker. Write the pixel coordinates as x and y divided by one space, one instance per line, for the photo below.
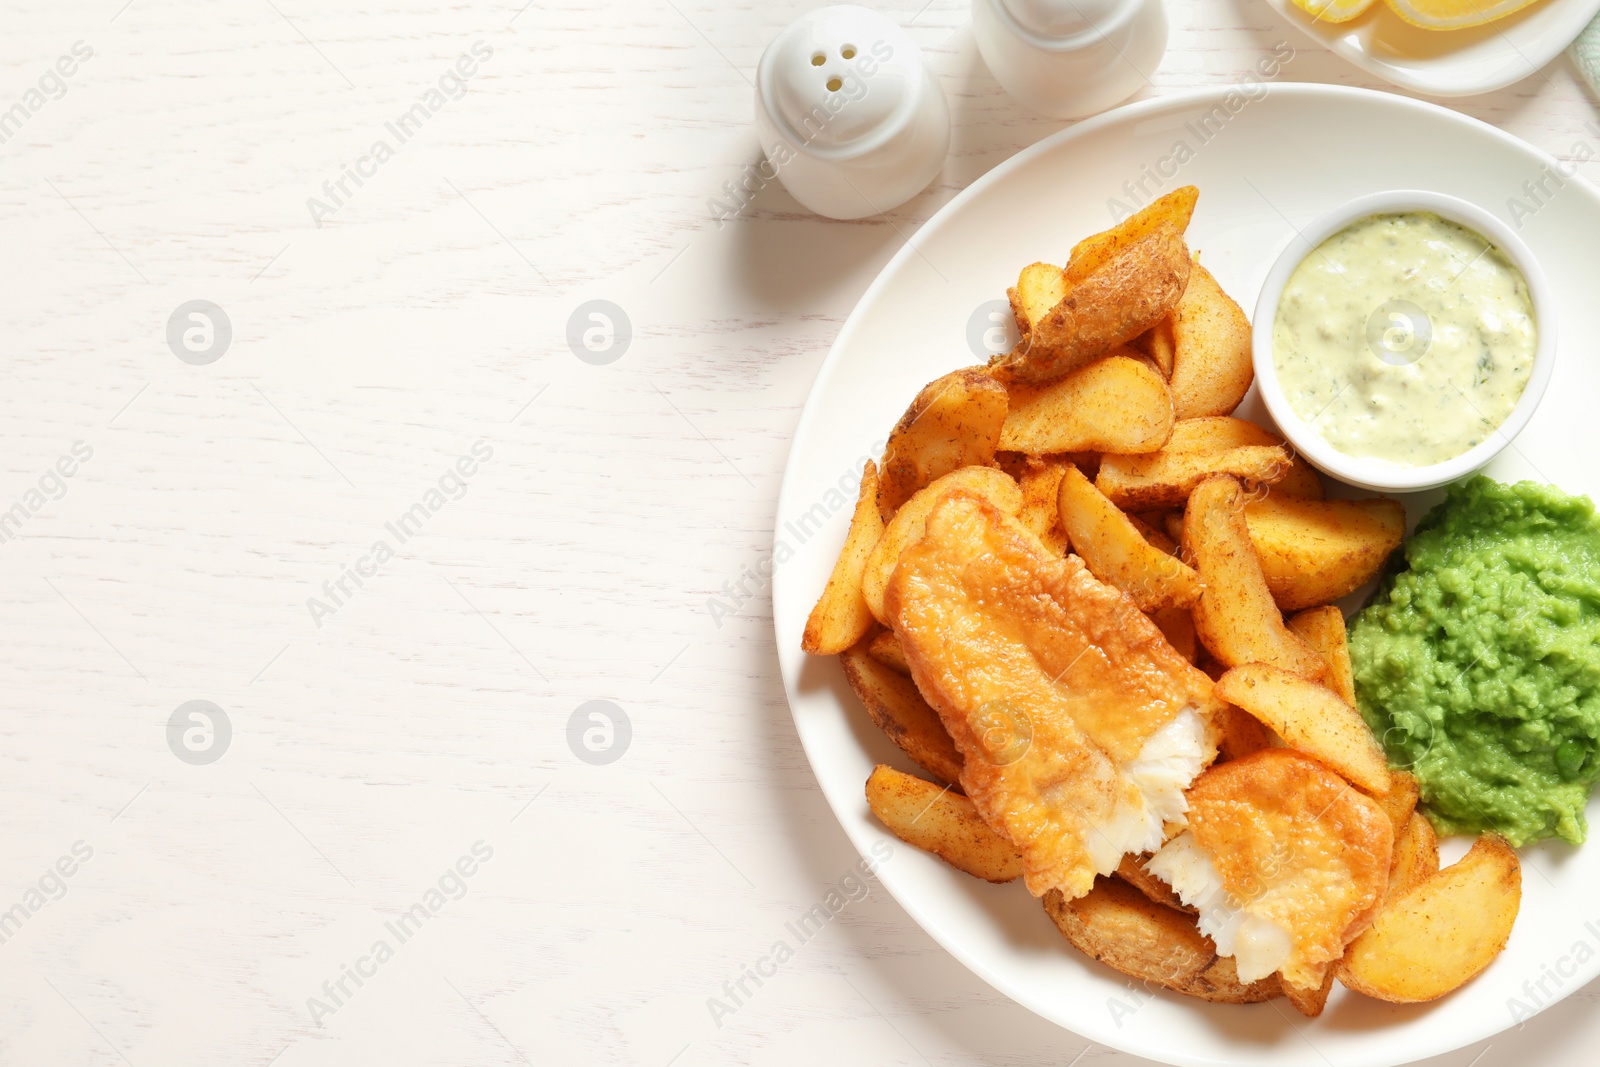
1585 52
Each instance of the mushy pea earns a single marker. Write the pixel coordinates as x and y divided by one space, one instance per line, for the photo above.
1479 665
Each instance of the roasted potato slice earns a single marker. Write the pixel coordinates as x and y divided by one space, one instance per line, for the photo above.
1399 801
946 824
1122 928
1132 871
1165 479
1311 719
1323 628
1159 346
897 707
1316 551
841 615
1116 404
1242 733
1218 433
1235 617
1041 484
954 422
1416 855
1133 288
1117 553
1040 287
1438 935
1157 537
1309 1002
1093 253
911 520
1177 625
1211 368
886 649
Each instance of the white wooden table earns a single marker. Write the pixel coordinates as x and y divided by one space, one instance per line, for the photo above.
418 718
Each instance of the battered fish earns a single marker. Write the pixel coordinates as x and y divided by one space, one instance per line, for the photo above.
1078 723
1285 862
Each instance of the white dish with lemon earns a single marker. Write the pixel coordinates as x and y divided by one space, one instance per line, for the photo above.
1476 57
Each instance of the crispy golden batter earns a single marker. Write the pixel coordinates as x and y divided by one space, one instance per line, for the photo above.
1050 682
1295 844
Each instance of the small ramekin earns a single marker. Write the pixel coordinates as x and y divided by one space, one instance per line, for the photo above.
1368 473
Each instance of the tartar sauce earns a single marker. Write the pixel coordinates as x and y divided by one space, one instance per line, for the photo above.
1405 338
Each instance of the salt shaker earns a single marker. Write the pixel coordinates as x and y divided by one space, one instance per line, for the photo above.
1070 58
850 118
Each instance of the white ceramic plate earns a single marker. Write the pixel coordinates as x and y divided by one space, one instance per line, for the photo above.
1282 160
1452 62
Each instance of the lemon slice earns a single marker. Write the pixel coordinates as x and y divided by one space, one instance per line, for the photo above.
1333 10
1454 14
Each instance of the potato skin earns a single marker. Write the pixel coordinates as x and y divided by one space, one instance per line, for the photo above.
1165 479
942 822
1212 367
1323 628
1119 926
897 708
954 422
1132 289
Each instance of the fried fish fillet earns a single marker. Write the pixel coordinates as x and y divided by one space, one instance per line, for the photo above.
1284 860
1078 723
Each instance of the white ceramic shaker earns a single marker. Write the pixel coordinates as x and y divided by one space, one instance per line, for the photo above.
1070 58
850 118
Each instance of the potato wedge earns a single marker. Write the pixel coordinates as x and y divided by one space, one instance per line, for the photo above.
1093 253
1040 287
1235 617
1165 479
841 615
896 706
1218 433
1316 551
1117 553
1400 800
1157 538
1041 484
1219 983
1416 856
1177 625
1309 1002
885 648
946 824
1311 719
910 521
1437 936
1159 346
954 422
1212 368
1136 284
1323 628
1132 871
1122 928
1116 404
1242 733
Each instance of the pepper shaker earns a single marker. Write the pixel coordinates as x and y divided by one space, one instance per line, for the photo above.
850 117
1070 58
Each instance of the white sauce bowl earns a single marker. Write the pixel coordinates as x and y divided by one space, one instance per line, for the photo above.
1364 472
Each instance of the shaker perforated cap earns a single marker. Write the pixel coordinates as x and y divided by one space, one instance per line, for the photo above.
1063 18
841 78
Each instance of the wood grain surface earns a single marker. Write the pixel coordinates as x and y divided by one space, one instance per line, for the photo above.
393 735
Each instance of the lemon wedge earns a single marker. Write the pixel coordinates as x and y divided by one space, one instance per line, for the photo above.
1333 10
1454 14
